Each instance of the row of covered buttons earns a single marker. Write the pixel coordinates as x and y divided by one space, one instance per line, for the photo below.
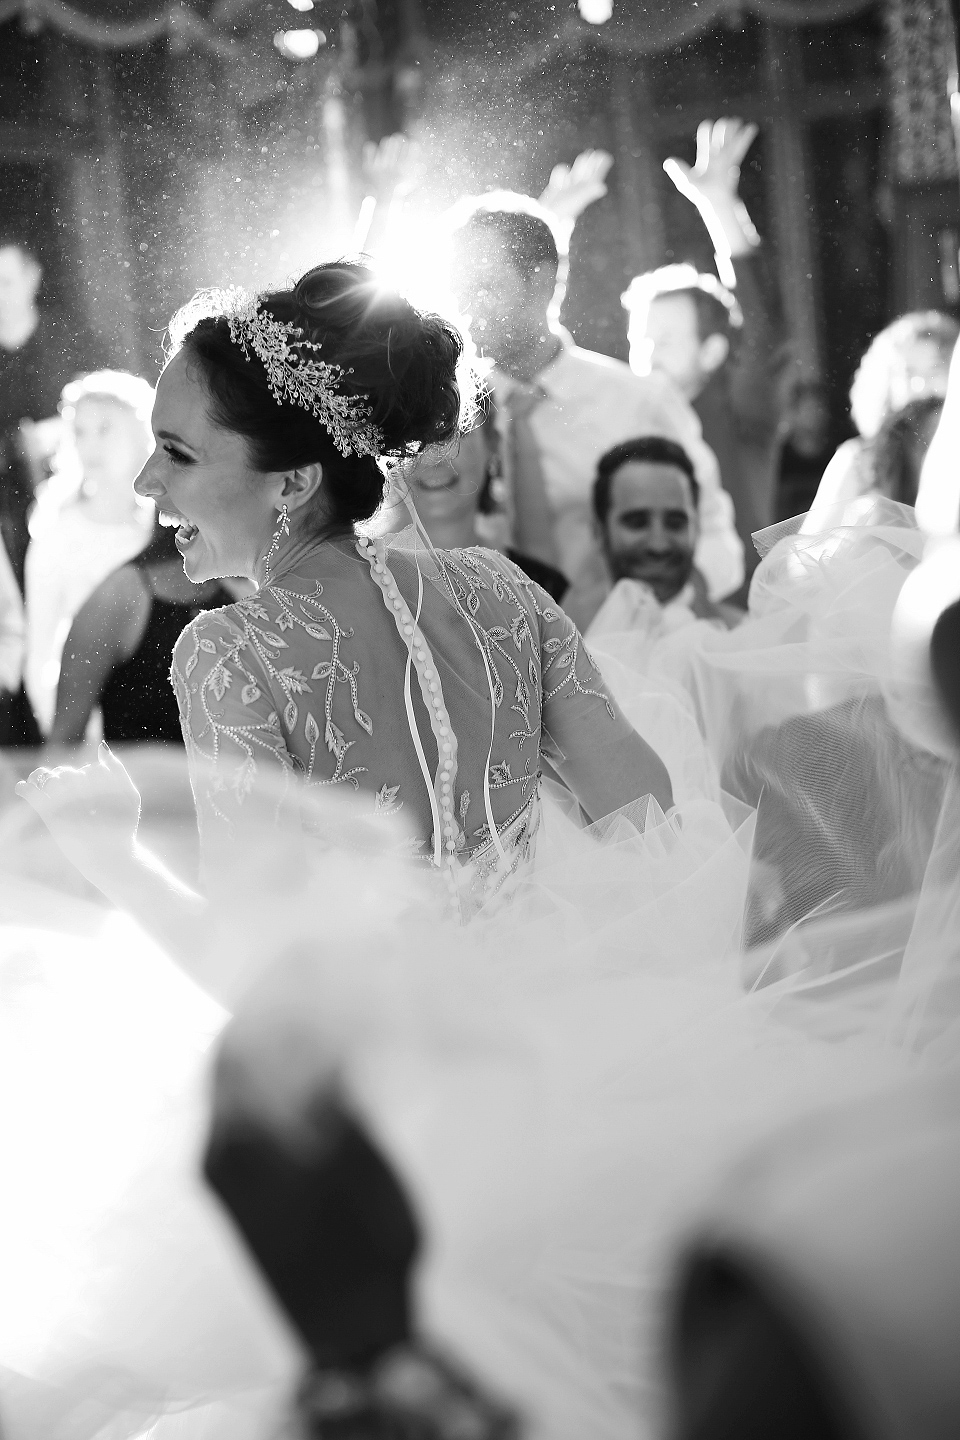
423 660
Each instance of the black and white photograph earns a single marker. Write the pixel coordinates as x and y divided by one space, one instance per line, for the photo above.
479 720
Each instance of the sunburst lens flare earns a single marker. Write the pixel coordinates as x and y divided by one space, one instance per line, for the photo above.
408 263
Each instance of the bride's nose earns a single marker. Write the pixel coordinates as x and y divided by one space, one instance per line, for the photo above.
145 485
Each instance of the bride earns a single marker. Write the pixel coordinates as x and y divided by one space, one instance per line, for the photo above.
436 688
434 683
555 1083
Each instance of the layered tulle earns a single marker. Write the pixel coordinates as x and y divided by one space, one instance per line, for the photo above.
124 1293
558 1084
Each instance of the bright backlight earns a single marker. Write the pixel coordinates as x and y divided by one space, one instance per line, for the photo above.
298 44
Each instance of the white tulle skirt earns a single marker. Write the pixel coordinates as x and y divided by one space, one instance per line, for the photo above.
124 1293
558 1085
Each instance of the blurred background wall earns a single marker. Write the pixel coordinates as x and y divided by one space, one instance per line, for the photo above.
147 150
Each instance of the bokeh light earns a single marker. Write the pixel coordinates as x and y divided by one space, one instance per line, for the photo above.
298 44
595 12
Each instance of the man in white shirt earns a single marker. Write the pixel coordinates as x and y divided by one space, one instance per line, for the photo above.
564 407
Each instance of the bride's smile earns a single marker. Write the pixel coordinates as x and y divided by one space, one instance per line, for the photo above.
203 484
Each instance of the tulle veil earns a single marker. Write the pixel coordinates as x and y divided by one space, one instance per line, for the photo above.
557 1083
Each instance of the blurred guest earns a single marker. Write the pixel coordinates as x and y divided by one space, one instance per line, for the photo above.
806 448
457 497
560 407
900 447
88 520
39 353
724 351
833 791
907 361
11 643
446 490
118 652
646 508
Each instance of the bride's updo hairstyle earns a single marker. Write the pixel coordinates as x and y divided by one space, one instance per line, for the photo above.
401 361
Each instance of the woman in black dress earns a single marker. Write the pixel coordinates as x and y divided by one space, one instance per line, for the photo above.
118 651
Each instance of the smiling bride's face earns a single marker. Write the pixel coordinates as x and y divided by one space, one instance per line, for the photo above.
201 480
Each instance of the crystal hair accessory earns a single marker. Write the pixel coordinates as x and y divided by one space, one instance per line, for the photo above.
294 375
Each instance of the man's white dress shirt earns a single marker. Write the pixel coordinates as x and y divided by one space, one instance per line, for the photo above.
632 607
591 403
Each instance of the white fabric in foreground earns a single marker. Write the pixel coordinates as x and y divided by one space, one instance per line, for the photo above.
559 1084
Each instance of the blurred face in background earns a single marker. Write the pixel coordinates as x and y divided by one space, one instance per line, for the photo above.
446 491
921 369
808 422
650 530
665 337
112 444
504 310
19 283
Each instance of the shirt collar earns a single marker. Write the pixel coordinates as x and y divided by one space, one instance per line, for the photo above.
687 597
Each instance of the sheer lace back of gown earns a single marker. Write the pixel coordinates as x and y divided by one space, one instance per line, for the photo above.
413 676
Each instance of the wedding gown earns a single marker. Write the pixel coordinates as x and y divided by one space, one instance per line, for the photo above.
557 1083
303 680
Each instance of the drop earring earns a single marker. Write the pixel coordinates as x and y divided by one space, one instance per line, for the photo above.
279 534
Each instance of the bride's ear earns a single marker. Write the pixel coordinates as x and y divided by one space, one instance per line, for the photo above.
301 485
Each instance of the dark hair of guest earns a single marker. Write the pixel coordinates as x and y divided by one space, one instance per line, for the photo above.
716 307
714 315
401 360
655 450
525 234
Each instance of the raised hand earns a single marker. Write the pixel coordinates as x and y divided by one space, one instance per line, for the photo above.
721 148
572 188
711 183
386 167
387 179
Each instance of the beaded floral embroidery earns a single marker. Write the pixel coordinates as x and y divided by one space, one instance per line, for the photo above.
256 653
251 654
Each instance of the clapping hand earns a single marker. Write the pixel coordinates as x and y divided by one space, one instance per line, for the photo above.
92 812
572 188
715 174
